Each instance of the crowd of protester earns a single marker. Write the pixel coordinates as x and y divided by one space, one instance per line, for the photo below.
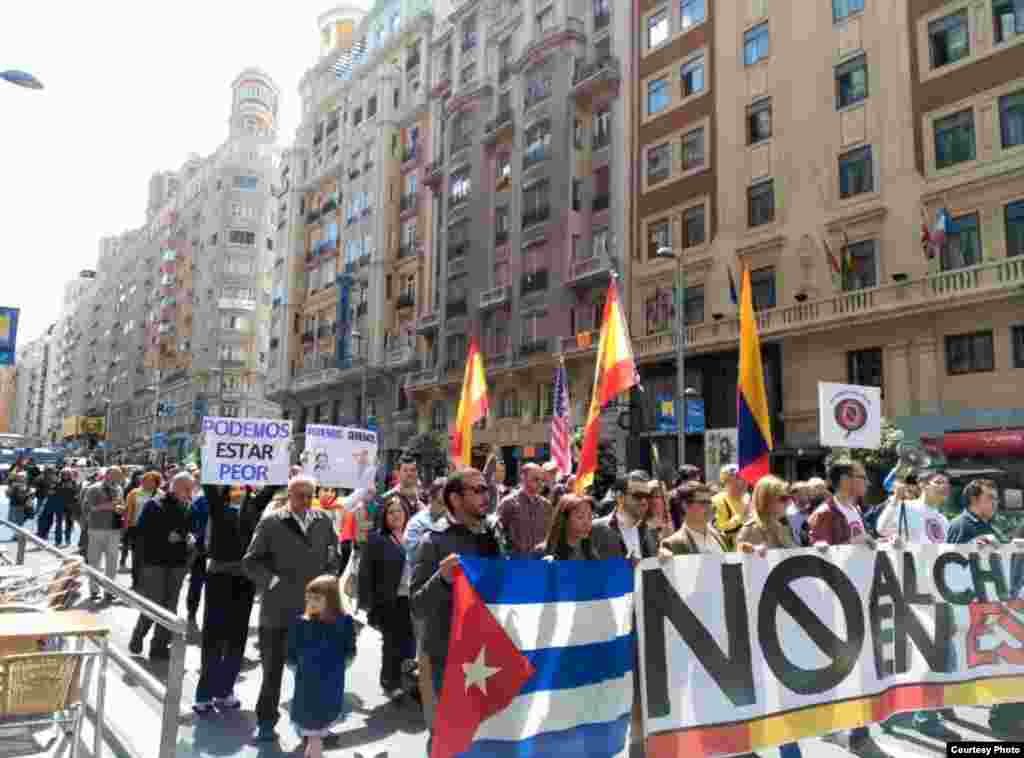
312 556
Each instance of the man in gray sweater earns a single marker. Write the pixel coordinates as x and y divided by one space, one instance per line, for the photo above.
292 546
103 509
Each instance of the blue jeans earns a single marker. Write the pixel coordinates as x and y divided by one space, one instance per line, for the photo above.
790 750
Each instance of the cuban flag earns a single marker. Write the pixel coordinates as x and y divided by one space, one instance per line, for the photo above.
540 660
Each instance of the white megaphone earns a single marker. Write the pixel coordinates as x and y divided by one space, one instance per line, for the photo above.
912 458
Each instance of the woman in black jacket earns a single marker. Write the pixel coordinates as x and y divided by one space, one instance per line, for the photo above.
384 591
569 535
234 515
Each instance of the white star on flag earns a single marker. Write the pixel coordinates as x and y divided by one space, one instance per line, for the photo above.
478 672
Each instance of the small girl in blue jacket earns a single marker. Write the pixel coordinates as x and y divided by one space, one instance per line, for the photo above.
320 645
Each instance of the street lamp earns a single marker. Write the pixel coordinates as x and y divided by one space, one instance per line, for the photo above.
21 79
682 391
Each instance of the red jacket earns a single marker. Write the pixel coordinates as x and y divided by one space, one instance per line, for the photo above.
828 524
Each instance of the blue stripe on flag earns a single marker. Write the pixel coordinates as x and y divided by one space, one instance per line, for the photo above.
533 581
565 668
602 740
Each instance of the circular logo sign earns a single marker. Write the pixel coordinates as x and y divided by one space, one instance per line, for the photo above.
851 414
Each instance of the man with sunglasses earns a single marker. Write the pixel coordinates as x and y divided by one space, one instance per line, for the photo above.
624 533
463 530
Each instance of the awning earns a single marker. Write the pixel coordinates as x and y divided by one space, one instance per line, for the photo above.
986 443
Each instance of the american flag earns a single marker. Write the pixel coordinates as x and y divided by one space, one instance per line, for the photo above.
561 451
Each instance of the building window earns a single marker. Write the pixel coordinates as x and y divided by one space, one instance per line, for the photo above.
238 237
602 128
1015 229
691 77
661 236
538 143
504 177
691 13
599 243
693 226
659 160
954 139
842 9
537 88
755 44
851 82
657 28
762 287
438 416
371 107
963 243
693 149
969 353
693 305
460 187
1017 338
657 96
659 311
856 172
545 20
949 39
246 182
761 203
759 121
1011 118
1007 18
861 266
535 203
864 367
509 406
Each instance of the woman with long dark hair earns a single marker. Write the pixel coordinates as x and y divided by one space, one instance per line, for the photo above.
569 535
384 575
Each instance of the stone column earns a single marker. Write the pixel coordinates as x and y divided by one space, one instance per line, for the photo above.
899 396
929 395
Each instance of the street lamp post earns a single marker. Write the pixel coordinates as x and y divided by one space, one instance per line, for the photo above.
21 79
682 391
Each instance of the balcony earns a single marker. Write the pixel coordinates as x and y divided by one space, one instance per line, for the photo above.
457 266
428 322
400 355
406 300
434 173
468 41
536 216
408 202
456 308
602 201
422 378
533 157
504 74
994 280
536 281
534 346
571 29
499 127
308 378
444 83
597 77
494 297
588 271
580 342
458 250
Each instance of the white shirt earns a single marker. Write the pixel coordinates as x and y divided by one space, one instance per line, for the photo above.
796 519
858 535
924 525
630 535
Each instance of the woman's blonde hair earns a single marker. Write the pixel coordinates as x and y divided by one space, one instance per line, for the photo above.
769 488
326 586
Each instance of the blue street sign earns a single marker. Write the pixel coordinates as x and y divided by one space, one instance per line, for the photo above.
694 415
159 441
371 423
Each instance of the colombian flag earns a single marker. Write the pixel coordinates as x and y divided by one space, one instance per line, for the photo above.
472 406
614 374
755 429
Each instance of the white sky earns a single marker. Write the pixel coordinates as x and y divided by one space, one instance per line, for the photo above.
127 92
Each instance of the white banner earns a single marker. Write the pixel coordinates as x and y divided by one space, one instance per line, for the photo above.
245 450
798 643
719 451
849 415
340 456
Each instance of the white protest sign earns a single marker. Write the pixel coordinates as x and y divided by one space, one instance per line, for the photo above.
798 643
719 450
849 415
245 450
340 456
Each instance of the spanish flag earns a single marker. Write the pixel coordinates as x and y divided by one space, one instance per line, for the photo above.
614 374
472 406
755 429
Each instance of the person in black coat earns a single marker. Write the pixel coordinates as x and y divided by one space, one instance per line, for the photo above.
384 578
233 516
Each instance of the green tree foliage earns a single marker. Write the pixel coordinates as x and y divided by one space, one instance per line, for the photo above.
430 455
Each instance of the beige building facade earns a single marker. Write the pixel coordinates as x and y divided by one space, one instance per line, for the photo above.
838 131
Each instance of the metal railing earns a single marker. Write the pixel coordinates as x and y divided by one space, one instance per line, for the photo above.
169 694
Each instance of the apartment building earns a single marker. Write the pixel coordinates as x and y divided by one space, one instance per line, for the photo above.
355 227
528 171
807 143
173 323
68 397
33 366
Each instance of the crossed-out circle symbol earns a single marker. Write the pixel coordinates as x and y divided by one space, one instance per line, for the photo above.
851 414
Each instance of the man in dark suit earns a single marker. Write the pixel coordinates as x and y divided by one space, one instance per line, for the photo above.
624 533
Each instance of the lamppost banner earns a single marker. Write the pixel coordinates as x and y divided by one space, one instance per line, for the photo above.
8 335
